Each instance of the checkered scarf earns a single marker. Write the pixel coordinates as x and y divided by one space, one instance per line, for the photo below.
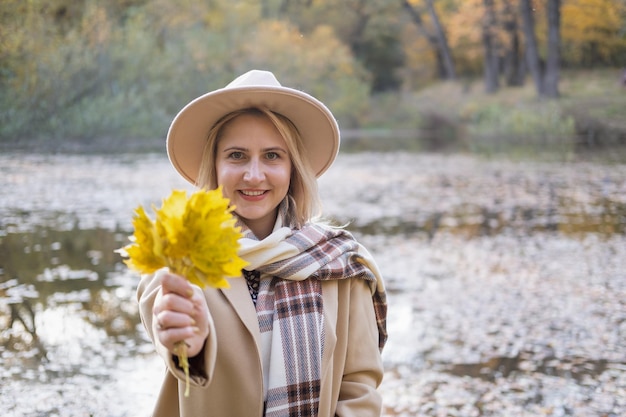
290 306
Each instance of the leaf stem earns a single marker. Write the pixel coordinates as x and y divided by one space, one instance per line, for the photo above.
180 349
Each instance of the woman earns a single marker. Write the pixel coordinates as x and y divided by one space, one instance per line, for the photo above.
300 333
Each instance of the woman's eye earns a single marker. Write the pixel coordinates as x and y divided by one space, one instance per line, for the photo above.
272 156
236 155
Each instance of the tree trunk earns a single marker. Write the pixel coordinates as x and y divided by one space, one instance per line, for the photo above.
437 41
513 65
442 42
551 80
489 44
532 51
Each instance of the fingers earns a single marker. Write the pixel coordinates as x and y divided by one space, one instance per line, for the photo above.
170 336
176 295
172 283
168 319
175 307
174 326
180 313
174 302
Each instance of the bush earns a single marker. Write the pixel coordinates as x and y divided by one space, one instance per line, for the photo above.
496 128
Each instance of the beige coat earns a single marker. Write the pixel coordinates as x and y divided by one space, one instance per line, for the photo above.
226 377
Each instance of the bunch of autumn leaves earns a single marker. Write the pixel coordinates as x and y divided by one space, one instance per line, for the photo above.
195 237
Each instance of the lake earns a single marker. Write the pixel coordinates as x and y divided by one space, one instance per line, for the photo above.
506 282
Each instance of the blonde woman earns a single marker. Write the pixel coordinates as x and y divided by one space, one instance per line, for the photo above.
300 333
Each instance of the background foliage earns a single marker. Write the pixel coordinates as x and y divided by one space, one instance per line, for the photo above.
117 71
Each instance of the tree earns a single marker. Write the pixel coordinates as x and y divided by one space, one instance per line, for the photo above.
531 47
546 79
593 33
495 49
551 80
436 38
376 45
513 65
369 27
490 62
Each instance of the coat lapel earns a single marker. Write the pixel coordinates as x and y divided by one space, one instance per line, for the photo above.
239 298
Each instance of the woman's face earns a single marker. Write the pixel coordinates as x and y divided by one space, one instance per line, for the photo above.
254 168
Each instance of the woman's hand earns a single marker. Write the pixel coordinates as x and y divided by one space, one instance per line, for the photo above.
181 314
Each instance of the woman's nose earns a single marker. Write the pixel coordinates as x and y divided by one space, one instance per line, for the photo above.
254 172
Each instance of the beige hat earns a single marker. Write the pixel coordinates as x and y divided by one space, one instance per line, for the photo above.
189 130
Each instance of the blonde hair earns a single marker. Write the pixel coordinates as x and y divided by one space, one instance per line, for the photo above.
303 193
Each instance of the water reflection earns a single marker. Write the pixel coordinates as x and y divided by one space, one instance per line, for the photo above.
65 296
604 217
503 367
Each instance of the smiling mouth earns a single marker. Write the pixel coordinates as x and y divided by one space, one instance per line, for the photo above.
252 193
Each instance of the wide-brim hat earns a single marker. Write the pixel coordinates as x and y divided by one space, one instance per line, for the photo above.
189 130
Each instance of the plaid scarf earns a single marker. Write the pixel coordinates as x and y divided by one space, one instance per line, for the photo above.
290 306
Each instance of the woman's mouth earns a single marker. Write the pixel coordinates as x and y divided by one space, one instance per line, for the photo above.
252 193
